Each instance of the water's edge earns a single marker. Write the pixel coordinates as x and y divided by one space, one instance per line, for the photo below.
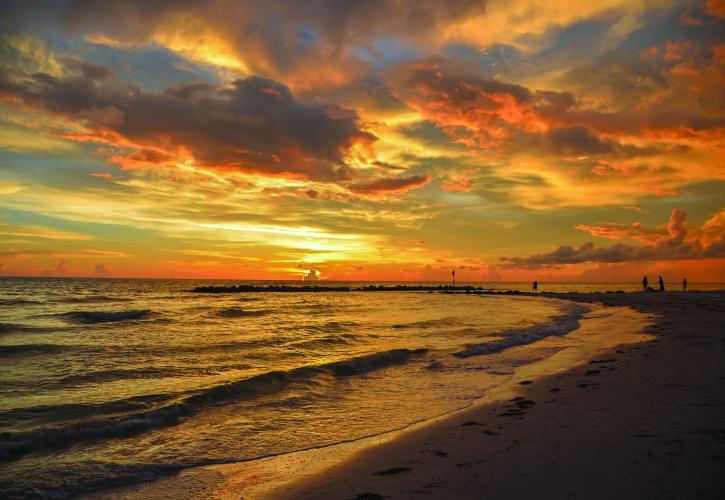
597 333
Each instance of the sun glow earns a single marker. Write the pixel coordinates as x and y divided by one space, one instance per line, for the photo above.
236 139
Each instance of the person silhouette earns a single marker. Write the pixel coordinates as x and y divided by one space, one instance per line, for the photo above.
684 285
535 286
645 284
662 284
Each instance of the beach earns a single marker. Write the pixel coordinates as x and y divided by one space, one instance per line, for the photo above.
641 419
645 421
362 250
111 384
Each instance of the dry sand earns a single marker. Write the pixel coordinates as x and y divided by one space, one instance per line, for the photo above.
643 420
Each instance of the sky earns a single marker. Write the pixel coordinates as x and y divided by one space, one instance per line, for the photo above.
508 140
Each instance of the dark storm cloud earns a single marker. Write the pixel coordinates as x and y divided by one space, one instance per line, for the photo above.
281 39
90 70
340 21
255 124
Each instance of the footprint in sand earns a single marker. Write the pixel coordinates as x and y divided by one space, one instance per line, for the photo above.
369 496
470 423
391 471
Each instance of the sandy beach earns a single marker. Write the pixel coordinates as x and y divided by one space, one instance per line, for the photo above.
360 250
644 421
639 419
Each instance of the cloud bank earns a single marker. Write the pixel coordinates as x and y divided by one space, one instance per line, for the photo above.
707 242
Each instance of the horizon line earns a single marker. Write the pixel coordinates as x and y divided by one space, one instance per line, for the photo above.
345 281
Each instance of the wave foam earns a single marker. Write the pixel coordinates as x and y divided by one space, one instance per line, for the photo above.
141 418
559 325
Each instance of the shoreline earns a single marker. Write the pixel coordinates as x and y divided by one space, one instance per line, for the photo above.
641 421
302 474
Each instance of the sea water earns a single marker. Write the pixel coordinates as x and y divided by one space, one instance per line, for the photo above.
111 382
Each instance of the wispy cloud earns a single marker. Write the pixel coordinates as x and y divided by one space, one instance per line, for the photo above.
267 138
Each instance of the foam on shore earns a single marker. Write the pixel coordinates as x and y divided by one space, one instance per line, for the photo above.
599 330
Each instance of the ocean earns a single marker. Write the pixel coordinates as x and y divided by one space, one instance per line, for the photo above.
107 382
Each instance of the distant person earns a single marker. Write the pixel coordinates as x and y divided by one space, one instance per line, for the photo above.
684 285
535 286
645 284
662 284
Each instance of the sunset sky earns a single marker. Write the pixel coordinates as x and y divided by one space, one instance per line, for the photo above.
508 140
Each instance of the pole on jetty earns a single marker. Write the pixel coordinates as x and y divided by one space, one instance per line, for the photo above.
453 273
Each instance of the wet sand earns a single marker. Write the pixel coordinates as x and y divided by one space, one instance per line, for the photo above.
640 420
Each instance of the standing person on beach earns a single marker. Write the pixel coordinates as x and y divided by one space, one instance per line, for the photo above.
662 284
645 284
684 285
535 286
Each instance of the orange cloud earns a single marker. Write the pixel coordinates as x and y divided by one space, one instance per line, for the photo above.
460 180
672 245
715 8
650 53
385 185
253 125
475 111
616 231
506 118
678 50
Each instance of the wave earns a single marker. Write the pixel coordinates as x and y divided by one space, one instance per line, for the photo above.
16 444
448 321
558 325
138 417
117 374
61 480
31 349
335 327
235 312
18 302
375 361
15 328
321 342
71 412
143 373
105 316
91 299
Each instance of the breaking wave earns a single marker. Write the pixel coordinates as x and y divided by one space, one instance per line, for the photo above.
138 417
558 325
